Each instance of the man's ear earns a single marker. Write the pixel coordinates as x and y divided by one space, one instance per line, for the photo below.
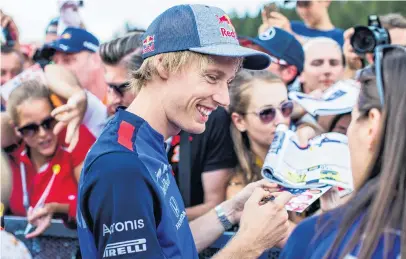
238 122
289 73
161 69
374 128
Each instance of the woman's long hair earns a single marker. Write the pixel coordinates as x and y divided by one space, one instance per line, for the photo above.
381 205
240 96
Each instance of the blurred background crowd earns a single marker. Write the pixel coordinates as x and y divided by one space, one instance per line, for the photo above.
59 91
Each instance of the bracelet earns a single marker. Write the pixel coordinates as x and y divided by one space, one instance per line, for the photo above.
222 217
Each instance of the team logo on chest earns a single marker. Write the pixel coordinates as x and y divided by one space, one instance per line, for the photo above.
162 178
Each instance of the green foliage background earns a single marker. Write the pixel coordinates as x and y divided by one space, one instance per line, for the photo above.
344 14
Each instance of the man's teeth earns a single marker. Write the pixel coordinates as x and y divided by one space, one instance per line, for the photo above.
204 111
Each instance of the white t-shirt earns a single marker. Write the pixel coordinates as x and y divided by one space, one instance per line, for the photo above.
96 114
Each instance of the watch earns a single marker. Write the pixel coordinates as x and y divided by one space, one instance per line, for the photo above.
227 225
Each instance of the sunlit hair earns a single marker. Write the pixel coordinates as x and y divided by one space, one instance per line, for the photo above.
124 50
28 90
6 182
172 62
240 97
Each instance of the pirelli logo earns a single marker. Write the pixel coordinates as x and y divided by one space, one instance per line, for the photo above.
126 247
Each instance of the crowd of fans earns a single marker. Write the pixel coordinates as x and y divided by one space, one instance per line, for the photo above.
48 125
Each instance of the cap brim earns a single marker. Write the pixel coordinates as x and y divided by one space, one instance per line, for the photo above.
60 47
254 60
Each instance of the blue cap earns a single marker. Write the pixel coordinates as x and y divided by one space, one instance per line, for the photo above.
74 40
202 29
281 45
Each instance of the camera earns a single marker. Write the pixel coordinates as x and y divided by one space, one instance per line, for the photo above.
366 38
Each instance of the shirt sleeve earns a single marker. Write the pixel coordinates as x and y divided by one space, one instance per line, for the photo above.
220 150
121 208
96 115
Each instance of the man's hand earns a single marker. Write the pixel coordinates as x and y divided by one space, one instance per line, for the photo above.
353 61
304 134
8 22
241 198
41 218
71 115
263 225
274 20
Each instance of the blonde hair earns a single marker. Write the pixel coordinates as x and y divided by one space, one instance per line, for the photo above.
320 40
5 181
31 89
240 97
172 62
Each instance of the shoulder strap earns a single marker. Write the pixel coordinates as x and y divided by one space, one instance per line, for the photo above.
184 177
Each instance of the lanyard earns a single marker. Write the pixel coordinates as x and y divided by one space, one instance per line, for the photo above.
41 201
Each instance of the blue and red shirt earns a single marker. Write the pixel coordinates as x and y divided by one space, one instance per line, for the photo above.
129 204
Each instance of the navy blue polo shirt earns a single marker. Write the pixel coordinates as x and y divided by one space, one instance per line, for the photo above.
306 241
129 205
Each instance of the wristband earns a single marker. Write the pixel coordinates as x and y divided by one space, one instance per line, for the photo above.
223 219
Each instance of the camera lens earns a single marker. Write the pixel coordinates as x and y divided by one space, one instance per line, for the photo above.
363 40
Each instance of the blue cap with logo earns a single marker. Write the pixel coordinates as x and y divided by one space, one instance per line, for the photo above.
202 29
281 45
74 40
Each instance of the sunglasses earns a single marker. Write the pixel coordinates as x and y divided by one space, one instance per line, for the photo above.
379 54
120 88
32 129
278 61
267 115
303 3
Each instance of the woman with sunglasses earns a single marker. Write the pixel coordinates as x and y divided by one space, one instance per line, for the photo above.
258 103
45 172
372 223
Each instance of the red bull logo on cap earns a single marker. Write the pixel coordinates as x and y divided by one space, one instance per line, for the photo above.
148 44
226 21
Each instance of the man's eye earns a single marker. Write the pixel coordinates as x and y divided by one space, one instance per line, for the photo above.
211 79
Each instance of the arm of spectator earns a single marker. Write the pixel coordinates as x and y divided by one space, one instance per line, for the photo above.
77 170
207 228
278 20
8 22
262 226
106 201
8 134
214 187
61 81
41 217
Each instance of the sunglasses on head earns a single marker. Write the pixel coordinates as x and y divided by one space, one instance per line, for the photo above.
303 3
379 54
32 129
278 61
268 114
120 88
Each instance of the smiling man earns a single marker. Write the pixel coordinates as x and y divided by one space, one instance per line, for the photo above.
130 206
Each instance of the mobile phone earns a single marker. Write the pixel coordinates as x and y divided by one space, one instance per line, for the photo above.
8 39
271 7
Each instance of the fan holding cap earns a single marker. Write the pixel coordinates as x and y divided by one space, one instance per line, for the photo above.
129 203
